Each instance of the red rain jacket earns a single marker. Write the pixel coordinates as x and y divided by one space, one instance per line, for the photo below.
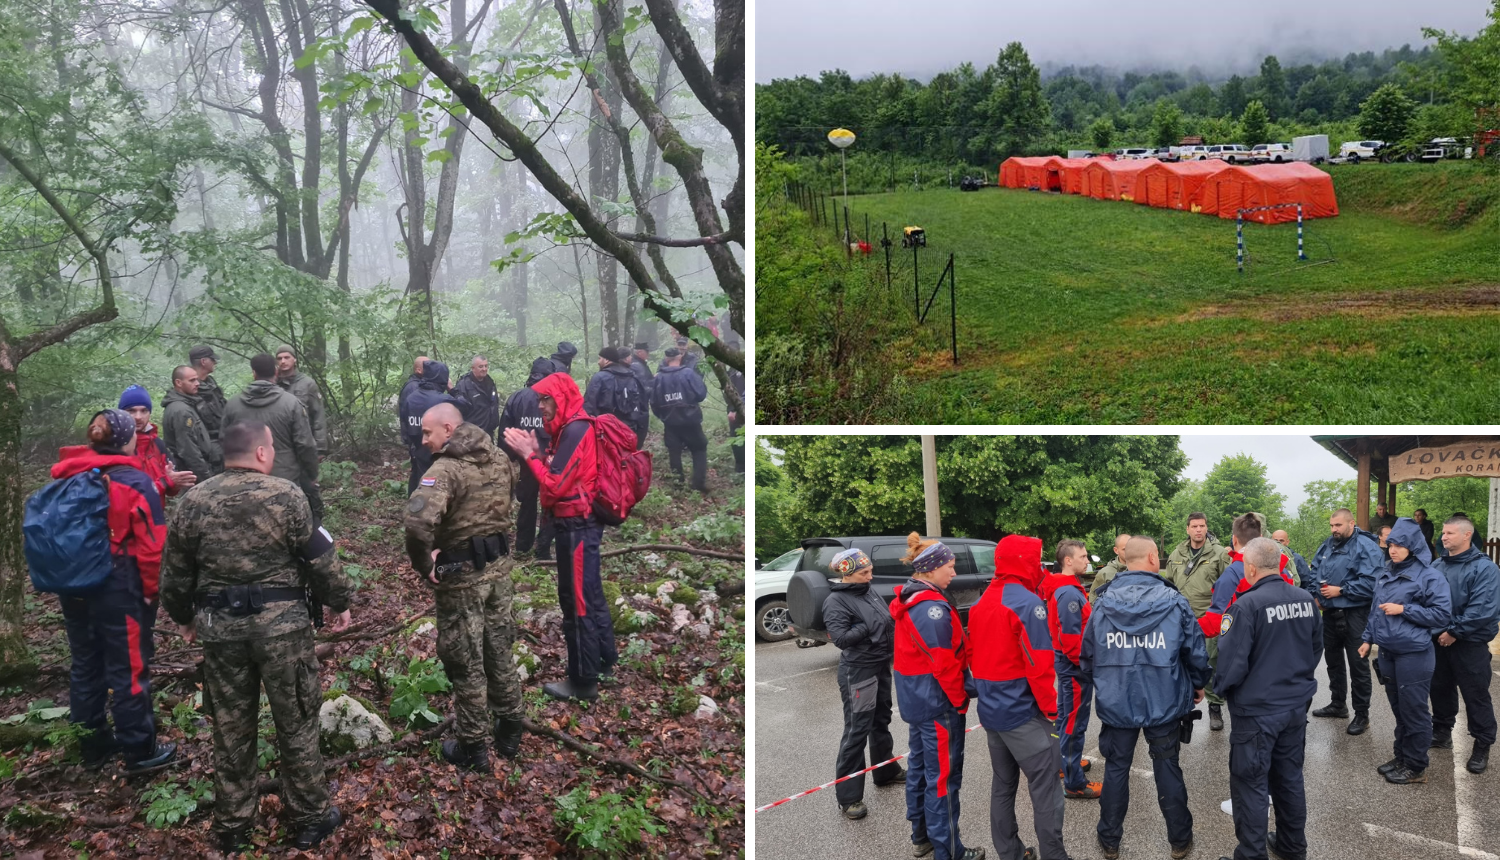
1012 647
932 659
137 524
569 471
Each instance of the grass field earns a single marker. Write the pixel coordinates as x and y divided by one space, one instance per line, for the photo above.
1074 310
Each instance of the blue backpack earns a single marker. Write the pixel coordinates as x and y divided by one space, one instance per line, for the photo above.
66 530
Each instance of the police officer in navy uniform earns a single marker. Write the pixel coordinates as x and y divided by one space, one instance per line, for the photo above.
432 390
1463 654
523 411
1344 570
1145 653
1270 640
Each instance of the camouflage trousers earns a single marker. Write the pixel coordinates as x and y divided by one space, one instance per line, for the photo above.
233 674
476 628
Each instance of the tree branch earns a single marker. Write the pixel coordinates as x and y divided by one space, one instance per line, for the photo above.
660 547
719 239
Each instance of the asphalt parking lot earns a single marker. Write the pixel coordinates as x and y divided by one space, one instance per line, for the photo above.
1352 811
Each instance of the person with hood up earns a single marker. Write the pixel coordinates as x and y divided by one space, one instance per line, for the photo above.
109 631
478 388
1270 640
616 391
267 403
1345 567
933 686
183 429
1463 654
523 411
1144 651
568 475
432 390
675 398
1011 656
562 360
1411 604
862 628
150 451
1067 618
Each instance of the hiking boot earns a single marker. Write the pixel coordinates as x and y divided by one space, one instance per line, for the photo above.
571 689
1215 717
232 842
1441 740
972 854
1181 851
1083 765
312 834
1389 766
1480 758
1332 710
921 849
1274 852
1029 854
508 732
898 779
475 758
1358 725
1090 791
159 756
854 811
98 749
1406 776
1111 852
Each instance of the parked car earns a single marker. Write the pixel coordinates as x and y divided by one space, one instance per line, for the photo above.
1274 153
1134 153
772 621
1192 153
1233 153
1169 154
809 586
1355 150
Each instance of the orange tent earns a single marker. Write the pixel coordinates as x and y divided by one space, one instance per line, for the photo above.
1012 174
1173 186
1235 188
1113 180
1038 173
1070 173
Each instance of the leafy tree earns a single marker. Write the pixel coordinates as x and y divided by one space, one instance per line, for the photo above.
1317 95
1166 125
1442 498
1199 99
1237 485
1016 106
1272 88
1308 531
1102 132
1386 114
772 498
1473 65
1232 97
1051 487
1253 124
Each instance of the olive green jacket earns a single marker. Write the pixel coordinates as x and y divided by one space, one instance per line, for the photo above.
1196 578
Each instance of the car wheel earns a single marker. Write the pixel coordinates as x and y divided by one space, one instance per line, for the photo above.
1354 157
773 621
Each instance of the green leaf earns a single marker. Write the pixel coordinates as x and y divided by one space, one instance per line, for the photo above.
439 155
359 25
700 335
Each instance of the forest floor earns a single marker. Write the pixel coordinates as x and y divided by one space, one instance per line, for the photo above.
684 798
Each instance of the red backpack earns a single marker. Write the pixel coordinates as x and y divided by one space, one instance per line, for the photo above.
624 472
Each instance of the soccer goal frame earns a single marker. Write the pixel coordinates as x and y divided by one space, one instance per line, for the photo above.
1239 231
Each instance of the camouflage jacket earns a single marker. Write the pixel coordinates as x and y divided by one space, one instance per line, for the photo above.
465 493
306 391
239 528
1195 578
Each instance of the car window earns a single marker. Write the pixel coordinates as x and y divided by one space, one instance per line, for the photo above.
888 563
984 559
785 561
818 558
963 563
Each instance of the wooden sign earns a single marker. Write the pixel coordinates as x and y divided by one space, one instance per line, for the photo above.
1479 459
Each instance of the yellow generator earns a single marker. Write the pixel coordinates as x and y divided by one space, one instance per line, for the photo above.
913 237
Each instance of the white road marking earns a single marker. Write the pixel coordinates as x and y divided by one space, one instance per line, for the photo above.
1464 790
1377 832
772 682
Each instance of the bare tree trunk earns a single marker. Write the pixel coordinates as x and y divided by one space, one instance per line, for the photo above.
604 184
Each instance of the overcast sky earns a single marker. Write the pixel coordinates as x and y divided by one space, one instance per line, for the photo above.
923 38
1291 461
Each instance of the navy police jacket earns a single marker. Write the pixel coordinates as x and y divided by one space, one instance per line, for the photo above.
1270 642
1145 652
432 390
1474 587
1352 564
676 393
1418 587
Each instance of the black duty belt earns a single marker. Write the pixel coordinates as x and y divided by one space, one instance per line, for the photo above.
248 599
479 551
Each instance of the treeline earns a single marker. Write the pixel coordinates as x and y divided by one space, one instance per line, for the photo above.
980 116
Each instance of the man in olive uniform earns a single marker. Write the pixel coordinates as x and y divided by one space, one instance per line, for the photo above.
211 400
183 430
1194 566
264 402
306 391
456 526
242 551
1111 570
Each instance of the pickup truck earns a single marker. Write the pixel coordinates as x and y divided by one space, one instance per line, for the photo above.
1233 153
1134 154
809 586
1274 153
1192 153
772 622
1357 150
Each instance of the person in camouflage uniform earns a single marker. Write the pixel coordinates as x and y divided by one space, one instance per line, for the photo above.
306 391
1111 570
211 400
1194 566
241 539
461 509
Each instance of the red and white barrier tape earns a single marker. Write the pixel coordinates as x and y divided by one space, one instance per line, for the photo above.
843 778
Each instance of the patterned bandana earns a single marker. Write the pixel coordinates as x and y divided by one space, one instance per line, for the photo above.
932 558
850 561
121 426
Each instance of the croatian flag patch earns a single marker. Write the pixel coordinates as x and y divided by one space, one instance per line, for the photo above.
429 482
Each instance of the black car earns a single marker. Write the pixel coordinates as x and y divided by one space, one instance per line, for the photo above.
808 588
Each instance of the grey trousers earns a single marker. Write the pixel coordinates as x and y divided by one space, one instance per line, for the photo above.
1030 749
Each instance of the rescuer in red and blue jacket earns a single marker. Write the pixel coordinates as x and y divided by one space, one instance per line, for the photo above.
109 631
1067 617
933 688
1014 678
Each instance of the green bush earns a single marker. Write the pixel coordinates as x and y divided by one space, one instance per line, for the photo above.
609 824
169 803
409 691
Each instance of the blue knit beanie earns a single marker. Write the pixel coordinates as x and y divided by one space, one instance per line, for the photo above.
135 396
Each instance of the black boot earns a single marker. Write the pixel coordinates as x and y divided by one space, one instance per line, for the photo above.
475 758
1358 725
1389 766
571 689
312 834
1215 717
1405 775
1332 709
232 842
1480 758
150 758
508 732
98 748
1442 740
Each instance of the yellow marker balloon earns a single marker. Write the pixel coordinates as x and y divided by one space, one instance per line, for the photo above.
841 137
